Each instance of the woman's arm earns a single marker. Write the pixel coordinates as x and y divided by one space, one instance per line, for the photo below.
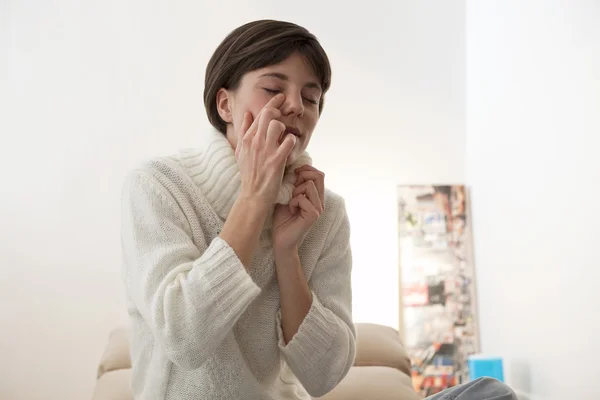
323 347
243 226
191 297
295 294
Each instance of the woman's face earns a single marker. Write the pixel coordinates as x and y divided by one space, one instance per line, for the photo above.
300 110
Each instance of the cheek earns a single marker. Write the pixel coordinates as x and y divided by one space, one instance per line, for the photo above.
254 101
247 100
313 119
257 103
311 123
253 107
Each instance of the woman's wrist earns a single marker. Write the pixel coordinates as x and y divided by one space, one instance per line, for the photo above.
294 293
254 206
285 256
243 227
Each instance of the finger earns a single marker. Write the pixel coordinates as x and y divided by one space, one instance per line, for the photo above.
312 194
267 116
304 176
314 175
307 209
248 136
318 181
246 123
286 147
269 112
275 131
275 103
306 167
293 205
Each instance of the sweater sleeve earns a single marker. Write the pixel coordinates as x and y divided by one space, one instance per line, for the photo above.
322 351
190 297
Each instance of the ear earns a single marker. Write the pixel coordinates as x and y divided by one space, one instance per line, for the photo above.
224 105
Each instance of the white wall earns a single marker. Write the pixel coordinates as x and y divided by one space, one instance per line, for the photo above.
94 87
533 134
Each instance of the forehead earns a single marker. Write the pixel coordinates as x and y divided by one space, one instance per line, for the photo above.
295 67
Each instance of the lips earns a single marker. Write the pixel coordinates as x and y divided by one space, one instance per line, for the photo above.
293 131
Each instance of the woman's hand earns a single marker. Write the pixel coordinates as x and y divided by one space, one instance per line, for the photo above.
292 221
260 155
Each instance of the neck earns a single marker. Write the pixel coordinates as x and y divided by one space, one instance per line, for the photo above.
231 137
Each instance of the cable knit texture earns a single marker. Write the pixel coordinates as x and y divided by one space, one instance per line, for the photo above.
204 327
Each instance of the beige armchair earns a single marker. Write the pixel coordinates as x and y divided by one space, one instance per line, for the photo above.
381 370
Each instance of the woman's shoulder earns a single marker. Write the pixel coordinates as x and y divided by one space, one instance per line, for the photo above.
169 171
331 232
174 163
335 215
177 162
334 201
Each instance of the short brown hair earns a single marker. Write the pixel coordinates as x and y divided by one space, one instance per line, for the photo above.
255 45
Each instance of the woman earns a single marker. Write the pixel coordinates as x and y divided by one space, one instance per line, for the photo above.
237 260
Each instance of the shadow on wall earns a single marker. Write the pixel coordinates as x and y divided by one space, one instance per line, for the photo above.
519 377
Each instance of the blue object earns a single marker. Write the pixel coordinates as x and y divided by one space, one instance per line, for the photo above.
484 366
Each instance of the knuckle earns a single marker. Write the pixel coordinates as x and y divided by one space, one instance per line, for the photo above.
277 124
271 113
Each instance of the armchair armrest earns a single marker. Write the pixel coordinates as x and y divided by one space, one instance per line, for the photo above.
378 345
116 354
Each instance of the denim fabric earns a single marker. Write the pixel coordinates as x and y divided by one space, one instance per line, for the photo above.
479 389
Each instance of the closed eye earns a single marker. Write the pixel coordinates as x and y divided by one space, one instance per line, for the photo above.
272 91
277 91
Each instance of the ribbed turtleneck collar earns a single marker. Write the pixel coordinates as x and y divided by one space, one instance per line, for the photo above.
215 170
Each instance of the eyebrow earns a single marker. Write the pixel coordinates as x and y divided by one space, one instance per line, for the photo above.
284 77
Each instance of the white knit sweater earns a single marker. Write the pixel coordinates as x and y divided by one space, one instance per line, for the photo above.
204 327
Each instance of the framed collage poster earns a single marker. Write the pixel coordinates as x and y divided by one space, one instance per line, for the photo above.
437 293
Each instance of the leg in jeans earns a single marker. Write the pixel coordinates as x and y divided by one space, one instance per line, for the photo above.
480 389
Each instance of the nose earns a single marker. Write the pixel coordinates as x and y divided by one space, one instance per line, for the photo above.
293 105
